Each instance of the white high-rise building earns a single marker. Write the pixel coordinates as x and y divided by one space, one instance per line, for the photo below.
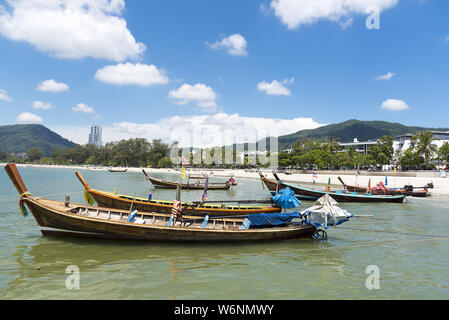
95 135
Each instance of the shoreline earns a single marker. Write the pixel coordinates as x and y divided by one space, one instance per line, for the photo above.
441 185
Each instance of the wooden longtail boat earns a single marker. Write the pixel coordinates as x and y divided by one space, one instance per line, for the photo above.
117 170
340 196
112 200
58 218
401 191
195 186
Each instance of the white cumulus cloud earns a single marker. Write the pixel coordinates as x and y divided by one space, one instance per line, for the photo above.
71 29
81 107
4 95
52 86
275 88
295 13
394 105
196 131
200 94
235 45
40 105
131 74
28 118
386 76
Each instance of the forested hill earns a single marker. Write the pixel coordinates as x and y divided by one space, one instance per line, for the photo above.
20 138
348 130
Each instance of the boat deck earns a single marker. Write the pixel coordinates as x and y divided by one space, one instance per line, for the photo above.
143 218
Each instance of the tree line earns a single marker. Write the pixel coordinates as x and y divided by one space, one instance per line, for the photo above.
315 154
305 154
135 152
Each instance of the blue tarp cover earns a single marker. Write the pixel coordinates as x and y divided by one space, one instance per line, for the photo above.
272 219
286 199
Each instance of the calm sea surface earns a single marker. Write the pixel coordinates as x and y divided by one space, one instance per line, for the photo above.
409 243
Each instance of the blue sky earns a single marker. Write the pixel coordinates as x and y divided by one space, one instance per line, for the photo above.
300 61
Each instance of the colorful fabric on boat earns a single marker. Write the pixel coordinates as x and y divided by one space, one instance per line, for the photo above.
23 208
206 184
380 188
272 219
183 173
286 199
176 210
88 197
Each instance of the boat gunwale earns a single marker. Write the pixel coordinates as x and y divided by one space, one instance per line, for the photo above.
67 213
185 204
346 195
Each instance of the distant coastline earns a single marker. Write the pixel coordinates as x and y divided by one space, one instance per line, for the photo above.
441 185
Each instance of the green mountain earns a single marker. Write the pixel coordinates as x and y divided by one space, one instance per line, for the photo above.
20 138
348 130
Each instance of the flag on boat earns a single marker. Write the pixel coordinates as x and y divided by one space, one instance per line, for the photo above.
184 162
314 174
183 173
150 195
206 184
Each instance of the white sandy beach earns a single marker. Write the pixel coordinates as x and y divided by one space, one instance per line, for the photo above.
441 185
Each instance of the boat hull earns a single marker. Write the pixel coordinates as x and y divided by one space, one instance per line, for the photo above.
343 197
172 185
111 201
65 223
312 195
391 192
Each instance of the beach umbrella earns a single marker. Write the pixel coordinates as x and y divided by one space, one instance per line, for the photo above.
286 199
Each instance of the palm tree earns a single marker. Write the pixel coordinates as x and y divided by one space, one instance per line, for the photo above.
423 142
351 155
333 145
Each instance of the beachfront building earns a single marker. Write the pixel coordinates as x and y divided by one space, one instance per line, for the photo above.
95 135
359 146
404 141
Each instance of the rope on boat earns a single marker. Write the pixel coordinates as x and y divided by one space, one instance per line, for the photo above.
23 208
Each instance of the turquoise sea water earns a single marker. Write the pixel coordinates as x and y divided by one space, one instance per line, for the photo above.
408 242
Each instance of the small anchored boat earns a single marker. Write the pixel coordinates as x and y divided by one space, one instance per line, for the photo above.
339 195
110 169
214 208
57 218
382 189
188 186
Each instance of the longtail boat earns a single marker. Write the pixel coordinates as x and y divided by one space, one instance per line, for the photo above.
384 190
117 169
57 218
113 200
186 186
339 195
